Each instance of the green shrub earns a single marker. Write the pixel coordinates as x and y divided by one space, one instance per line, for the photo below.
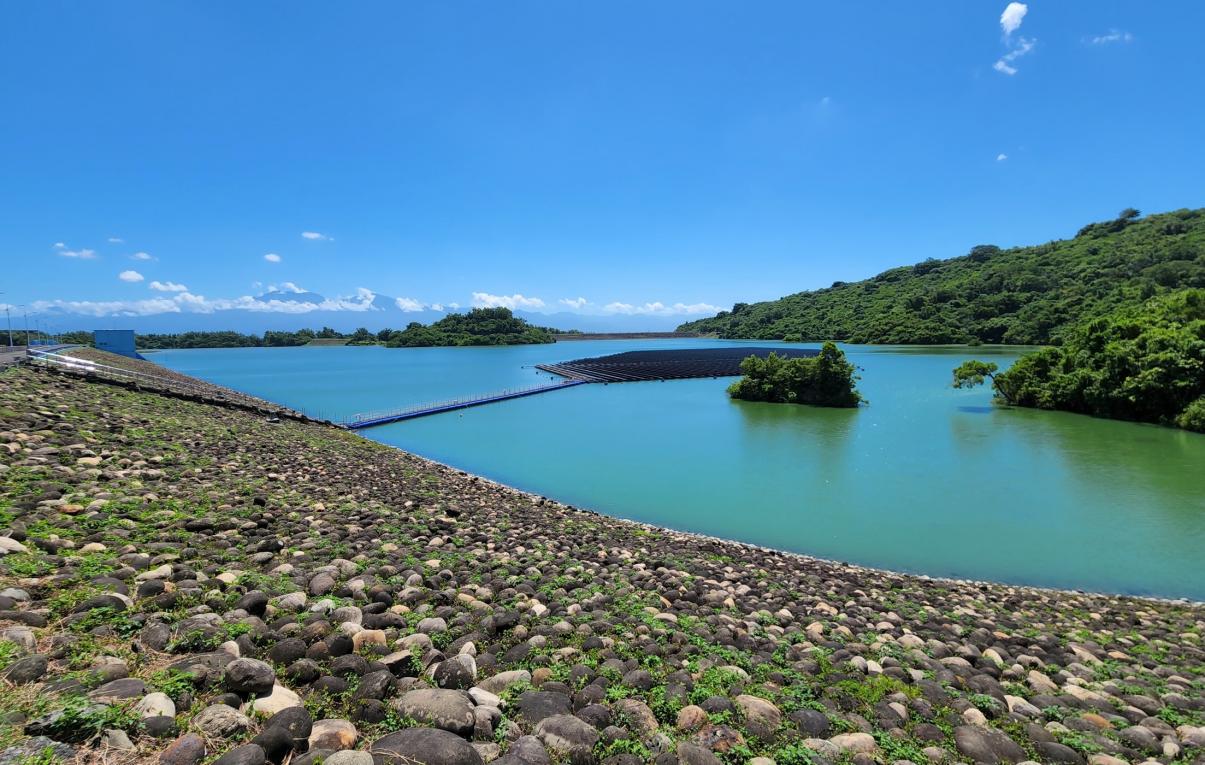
827 379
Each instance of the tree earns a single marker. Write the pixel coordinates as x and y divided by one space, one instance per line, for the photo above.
971 373
826 379
981 253
1128 214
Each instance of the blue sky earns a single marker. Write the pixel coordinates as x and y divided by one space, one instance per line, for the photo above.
665 157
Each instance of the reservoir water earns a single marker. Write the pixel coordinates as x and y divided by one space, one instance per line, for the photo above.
926 479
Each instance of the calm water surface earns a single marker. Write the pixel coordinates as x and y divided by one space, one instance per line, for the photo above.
926 479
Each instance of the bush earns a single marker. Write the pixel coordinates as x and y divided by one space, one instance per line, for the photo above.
827 379
1193 416
1145 364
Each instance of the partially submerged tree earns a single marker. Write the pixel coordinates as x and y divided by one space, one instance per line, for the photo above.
971 373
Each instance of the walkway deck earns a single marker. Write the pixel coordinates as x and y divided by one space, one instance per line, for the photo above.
633 366
373 419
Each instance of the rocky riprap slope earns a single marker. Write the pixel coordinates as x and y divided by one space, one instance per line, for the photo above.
186 583
155 378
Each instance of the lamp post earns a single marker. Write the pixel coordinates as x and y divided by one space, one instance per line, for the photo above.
9 319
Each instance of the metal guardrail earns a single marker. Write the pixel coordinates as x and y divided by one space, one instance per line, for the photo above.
93 368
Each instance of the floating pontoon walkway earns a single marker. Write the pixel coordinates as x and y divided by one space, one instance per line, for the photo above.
372 419
677 364
633 366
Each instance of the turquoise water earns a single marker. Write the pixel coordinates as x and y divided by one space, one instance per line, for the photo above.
925 479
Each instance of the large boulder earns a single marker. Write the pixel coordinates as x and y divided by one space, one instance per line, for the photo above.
280 699
27 670
987 745
503 680
189 749
220 721
761 717
567 736
333 735
424 746
534 706
456 673
249 677
448 710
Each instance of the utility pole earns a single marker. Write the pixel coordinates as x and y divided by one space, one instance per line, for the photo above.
26 314
9 319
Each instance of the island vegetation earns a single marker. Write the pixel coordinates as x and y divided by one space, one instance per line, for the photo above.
1025 295
480 326
827 379
1144 363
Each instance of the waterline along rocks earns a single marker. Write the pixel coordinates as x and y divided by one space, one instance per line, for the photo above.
183 582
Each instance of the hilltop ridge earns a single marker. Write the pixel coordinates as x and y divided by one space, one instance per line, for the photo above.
1022 295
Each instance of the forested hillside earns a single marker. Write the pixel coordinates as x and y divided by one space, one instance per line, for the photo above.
1028 295
480 326
1145 363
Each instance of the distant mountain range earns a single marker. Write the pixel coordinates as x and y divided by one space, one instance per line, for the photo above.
281 310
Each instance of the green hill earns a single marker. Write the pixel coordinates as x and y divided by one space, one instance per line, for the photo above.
480 326
1027 295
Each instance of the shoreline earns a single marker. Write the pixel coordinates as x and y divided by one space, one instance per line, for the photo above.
192 580
686 534
764 549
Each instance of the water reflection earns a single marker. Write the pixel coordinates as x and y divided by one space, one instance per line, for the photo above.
926 479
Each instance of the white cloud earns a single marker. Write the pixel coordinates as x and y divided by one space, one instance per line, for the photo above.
1001 157
453 306
314 236
186 302
272 257
130 276
141 256
167 287
110 307
115 240
437 306
661 309
486 300
575 303
1113 36
1004 64
80 254
60 245
1010 20
410 305
286 287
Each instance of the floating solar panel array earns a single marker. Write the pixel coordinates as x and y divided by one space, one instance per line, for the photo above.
678 364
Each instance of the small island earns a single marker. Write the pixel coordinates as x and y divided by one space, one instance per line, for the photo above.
480 326
827 379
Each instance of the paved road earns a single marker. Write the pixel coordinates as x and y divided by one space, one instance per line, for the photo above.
10 355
